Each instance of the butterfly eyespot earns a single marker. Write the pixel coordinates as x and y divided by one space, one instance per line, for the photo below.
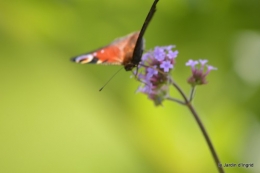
84 59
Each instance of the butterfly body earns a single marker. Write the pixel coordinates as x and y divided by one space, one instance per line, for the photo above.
126 51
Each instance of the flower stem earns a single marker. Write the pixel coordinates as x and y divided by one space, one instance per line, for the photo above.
192 93
201 126
175 100
210 145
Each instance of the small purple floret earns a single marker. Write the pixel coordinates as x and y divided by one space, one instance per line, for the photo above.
166 66
172 54
159 53
151 71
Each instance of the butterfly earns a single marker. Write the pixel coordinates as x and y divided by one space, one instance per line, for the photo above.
126 51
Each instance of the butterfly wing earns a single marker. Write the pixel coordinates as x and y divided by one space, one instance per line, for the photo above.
119 52
139 46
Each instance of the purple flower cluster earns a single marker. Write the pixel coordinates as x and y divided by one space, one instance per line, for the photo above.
198 71
155 67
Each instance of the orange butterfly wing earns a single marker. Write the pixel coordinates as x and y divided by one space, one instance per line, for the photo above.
119 52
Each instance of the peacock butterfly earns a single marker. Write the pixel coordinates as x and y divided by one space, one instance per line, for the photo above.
126 51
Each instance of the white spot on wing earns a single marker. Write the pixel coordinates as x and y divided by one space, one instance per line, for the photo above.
102 51
84 58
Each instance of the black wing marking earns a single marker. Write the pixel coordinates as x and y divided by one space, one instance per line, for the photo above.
138 50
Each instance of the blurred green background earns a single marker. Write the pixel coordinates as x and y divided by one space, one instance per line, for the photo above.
53 119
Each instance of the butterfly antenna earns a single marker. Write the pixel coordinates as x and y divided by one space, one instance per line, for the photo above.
110 79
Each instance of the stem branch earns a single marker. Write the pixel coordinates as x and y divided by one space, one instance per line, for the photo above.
176 100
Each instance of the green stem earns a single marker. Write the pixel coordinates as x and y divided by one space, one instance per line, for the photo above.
192 93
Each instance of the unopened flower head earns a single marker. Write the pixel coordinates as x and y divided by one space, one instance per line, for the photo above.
199 73
155 68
